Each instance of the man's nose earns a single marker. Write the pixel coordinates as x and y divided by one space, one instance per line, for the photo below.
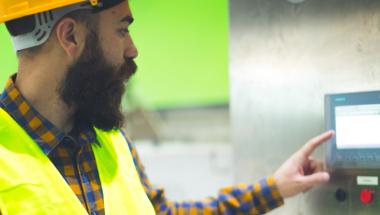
131 50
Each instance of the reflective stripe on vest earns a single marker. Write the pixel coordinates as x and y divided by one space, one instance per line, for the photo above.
31 184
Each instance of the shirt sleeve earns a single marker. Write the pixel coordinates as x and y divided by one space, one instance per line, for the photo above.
258 198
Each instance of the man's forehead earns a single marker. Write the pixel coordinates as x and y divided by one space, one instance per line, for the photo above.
119 12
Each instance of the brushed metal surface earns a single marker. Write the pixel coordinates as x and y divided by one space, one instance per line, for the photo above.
283 58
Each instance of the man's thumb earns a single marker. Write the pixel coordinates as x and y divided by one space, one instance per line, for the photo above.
316 179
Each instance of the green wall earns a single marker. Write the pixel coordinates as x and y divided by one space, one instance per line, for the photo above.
8 63
183 53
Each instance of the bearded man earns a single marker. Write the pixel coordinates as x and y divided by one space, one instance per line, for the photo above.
62 148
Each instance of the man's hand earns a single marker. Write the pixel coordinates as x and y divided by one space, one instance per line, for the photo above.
300 172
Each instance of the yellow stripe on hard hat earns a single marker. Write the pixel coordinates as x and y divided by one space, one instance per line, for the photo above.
94 2
13 9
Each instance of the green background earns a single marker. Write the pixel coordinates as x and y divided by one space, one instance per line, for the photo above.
8 63
183 53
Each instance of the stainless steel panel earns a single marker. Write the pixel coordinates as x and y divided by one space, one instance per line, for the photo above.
283 58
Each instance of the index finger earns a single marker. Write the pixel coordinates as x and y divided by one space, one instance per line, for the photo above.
312 144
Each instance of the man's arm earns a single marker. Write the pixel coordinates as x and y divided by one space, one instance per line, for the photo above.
256 198
298 174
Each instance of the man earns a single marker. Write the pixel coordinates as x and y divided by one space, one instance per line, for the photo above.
62 150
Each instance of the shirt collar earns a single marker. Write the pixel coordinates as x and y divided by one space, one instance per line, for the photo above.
46 135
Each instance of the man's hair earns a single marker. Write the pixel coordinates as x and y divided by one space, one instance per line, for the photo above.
27 24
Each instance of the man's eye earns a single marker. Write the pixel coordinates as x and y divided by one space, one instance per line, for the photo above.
123 31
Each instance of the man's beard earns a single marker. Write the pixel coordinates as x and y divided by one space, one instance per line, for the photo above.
94 87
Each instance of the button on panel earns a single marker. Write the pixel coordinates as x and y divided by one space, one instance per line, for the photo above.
340 195
367 196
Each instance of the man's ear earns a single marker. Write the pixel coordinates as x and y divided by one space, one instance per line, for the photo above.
70 36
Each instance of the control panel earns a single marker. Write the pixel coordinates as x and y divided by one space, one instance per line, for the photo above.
357 193
353 154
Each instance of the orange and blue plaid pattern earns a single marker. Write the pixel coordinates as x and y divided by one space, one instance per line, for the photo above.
72 155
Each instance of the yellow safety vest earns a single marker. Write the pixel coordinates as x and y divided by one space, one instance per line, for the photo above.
31 184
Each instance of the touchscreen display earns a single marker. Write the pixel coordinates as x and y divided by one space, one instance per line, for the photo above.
357 126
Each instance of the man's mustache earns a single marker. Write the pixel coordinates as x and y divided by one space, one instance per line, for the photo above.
128 69
123 74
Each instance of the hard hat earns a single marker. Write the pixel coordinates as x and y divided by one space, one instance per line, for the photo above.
46 14
13 9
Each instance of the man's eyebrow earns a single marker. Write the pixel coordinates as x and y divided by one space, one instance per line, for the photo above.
128 19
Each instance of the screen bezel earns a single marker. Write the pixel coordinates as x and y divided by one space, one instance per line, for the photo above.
350 157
